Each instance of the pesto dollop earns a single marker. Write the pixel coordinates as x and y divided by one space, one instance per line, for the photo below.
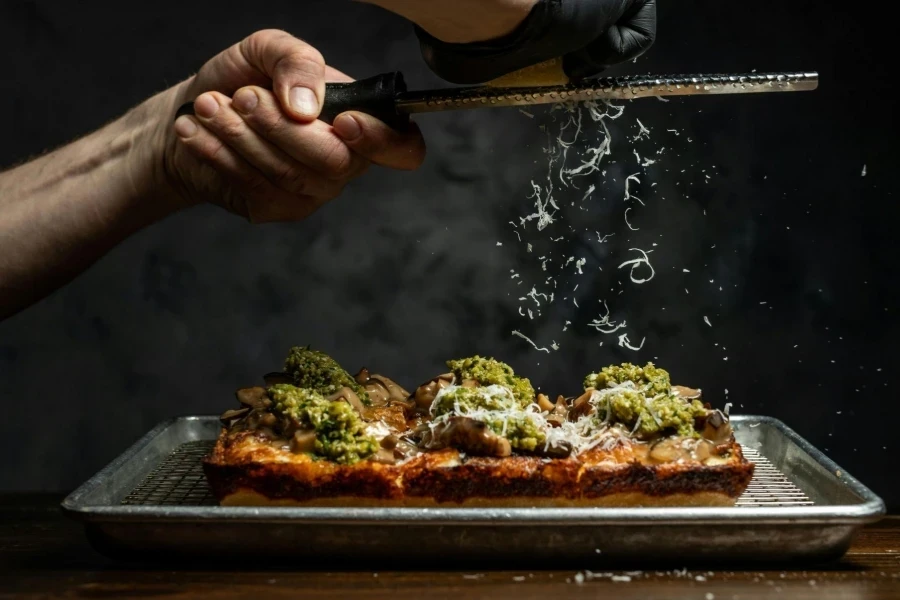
317 371
488 371
463 400
495 406
648 415
648 378
340 431
521 431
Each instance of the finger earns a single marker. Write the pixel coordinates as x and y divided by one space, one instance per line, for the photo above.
210 150
251 195
332 75
374 140
220 115
314 144
296 70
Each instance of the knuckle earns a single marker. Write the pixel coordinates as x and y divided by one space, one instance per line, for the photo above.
337 160
293 180
263 36
231 129
214 151
303 61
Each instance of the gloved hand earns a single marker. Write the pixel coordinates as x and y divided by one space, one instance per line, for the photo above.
590 35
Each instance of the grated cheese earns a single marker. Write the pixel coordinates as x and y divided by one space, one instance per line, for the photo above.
528 339
635 263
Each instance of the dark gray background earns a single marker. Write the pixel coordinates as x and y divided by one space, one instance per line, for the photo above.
404 271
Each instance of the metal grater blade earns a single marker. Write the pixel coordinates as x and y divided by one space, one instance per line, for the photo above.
623 88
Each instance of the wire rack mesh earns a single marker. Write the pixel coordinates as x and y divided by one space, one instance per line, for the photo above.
179 481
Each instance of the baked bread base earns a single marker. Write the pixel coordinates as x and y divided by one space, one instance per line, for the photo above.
248 497
247 469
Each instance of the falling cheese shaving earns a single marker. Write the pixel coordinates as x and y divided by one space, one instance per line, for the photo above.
528 339
637 262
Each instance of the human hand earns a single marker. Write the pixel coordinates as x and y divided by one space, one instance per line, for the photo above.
590 35
254 145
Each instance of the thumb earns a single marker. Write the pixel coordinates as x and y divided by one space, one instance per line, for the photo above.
294 69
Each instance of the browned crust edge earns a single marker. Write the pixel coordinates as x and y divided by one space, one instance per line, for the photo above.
427 480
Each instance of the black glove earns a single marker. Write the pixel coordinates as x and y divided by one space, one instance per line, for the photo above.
590 35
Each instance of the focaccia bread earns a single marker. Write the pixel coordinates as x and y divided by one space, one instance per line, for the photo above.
476 436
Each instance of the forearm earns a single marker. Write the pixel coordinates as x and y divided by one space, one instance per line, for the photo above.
461 21
61 212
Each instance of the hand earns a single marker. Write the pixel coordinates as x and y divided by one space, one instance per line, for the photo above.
590 35
255 146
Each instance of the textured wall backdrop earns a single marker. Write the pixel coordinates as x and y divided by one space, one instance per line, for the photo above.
786 249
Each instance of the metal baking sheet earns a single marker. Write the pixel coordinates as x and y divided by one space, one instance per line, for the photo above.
153 502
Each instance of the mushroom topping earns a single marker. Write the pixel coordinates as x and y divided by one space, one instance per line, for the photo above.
544 403
383 390
350 397
470 383
378 392
703 450
582 405
404 449
254 397
562 449
667 450
362 378
303 441
267 419
384 456
425 393
397 393
230 416
559 414
468 435
389 442
716 428
276 378
686 392
672 449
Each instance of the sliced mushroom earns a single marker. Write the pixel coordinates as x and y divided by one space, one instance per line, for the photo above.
384 456
470 383
563 449
397 391
267 419
303 441
389 442
383 390
378 392
703 450
230 416
582 406
254 397
667 449
362 378
276 378
544 403
717 428
350 397
560 412
686 392
468 435
425 393
404 449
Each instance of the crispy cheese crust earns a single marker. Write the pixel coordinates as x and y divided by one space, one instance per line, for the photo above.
250 468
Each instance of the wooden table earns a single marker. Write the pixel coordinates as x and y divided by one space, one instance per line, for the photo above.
42 553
